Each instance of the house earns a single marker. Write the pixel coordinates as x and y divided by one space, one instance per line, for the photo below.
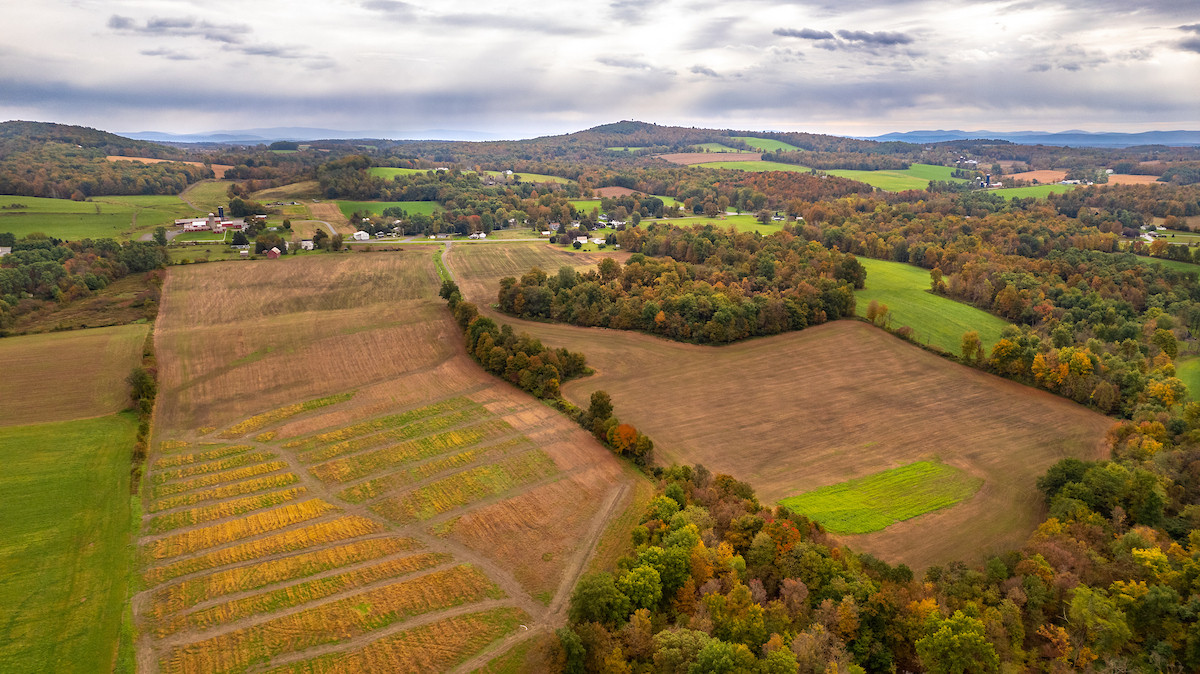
273 254
5 250
599 241
361 236
306 244
581 239
244 253
554 226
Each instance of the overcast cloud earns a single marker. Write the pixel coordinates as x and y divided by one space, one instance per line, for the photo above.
518 69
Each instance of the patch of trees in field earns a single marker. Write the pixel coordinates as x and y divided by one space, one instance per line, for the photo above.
41 271
702 285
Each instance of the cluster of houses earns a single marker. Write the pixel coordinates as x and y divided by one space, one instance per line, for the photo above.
216 222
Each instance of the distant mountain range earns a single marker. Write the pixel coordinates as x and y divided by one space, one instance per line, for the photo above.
299 133
1063 138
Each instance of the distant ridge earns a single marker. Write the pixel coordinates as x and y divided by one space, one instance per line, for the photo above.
301 133
1064 138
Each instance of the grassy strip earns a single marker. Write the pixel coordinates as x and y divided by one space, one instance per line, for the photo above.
258 421
187 518
213 479
347 618
182 596
439 264
405 419
361 465
187 459
224 491
877 501
227 463
187 542
467 487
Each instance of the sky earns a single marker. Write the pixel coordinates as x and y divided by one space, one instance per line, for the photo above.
539 67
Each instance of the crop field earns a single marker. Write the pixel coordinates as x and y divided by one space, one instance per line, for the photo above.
878 501
833 403
64 542
915 177
1036 191
116 217
714 159
376 207
742 223
766 144
484 266
303 529
388 172
935 320
68 375
755 165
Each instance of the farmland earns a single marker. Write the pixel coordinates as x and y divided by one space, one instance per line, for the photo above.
754 165
915 177
1036 191
831 403
218 169
935 320
766 144
117 217
91 364
714 147
387 172
1188 369
376 207
357 511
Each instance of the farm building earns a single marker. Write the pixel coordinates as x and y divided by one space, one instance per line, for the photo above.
477 235
306 244
5 250
273 254
211 223
361 236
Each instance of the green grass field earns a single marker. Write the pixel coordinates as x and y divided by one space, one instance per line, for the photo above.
915 177
533 177
102 217
64 543
625 149
766 144
935 320
1171 264
877 501
1188 370
209 195
387 172
714 147
1039 191
376 207
742 223
757 166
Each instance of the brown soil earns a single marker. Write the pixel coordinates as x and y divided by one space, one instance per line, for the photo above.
689 158
613 191
218 169
1128 179
1044 176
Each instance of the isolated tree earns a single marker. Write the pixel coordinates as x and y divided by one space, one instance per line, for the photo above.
239 239
972 348
160 236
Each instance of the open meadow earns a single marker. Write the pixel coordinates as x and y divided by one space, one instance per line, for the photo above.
348 208
766 144
936 320
1035 191
800 411
335 482
115 217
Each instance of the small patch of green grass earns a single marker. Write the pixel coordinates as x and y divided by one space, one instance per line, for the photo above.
376 207
714 147
877 501
388 172
1038 191
766 144
1188 371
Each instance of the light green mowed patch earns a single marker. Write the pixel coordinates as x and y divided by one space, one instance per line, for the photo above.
64 543
388 172
1188 371
915 177
880 500
102 217
766 144
1037 191
935 320
376 207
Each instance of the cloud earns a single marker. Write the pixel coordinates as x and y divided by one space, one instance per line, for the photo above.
1192 27
804 33
632 64
880 39
392 7
169 54
514 23
231 33
702 70
630 11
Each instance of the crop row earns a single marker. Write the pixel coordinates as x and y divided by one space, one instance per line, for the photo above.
371 489
213 479
340 529
224 491
266 437
173 460
302 593
344 619
172 445
187 542
184 595
413 430
372 425
226 463
360 465
436 647
217 511
258 421
466 487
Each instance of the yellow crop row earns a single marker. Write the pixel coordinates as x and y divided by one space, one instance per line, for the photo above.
184 459
258 421
353 467
373 425
337 621
224 491
213 479
211 467
184 595
416 429
371 489
252 525
466 487
266 437
340 529
436 647
187 518
172 445
302 593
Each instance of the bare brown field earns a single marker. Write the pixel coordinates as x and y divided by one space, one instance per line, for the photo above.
218 169
799 411
253 560
690 158
482 267
1043 176
309 189
1130 179
329 212
613 191
68 375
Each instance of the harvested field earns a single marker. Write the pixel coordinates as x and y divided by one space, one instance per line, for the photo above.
349 395
482 267
692 158
795 412
613 191
68 375
1043 176
329 212
1131 179
218 169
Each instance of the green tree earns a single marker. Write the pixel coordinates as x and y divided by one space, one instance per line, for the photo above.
972 348
597 599
956 645
160 235
642 586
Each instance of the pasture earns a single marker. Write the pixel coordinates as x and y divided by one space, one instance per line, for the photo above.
388 172
68 375
626 149
1176 265
530 177
766 144
64 542
1036 191
207 196
117 217
1188 370
753 165
936 320
377 207
915 177
742 223
388 503
877 501
714 147
795 412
